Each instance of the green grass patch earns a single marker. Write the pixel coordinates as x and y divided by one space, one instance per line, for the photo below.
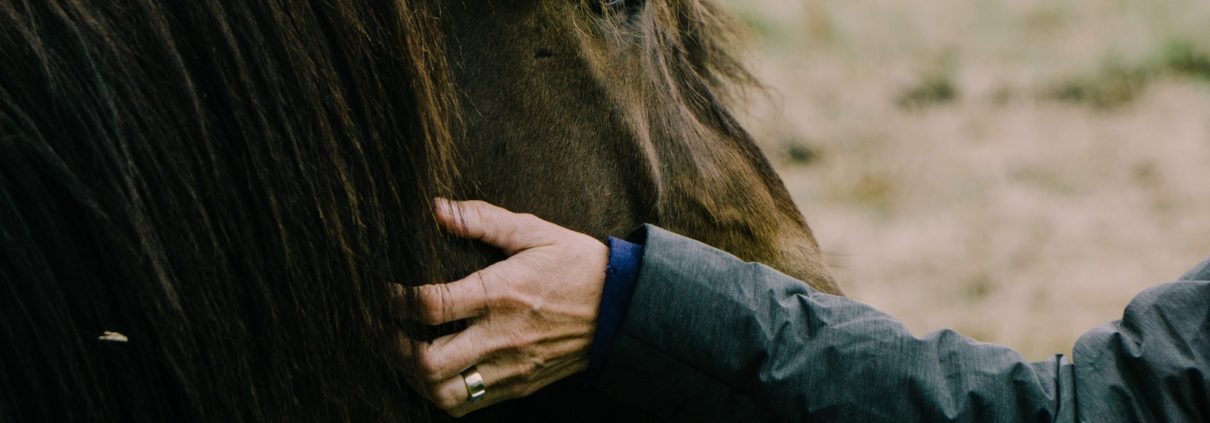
934 88
1182 57
1112 87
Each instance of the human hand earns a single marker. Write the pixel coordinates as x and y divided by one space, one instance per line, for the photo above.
532 316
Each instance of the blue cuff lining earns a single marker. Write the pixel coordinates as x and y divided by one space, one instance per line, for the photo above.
621 276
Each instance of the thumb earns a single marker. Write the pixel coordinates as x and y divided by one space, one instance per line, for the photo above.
496 226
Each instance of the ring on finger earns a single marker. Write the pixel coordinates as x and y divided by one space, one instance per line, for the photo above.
475 389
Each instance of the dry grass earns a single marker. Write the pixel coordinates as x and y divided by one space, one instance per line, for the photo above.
1015 170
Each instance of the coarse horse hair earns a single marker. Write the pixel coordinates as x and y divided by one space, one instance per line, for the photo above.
228 185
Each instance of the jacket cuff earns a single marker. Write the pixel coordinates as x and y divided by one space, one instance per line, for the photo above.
621 277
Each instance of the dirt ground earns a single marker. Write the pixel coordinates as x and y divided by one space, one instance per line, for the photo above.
1016 170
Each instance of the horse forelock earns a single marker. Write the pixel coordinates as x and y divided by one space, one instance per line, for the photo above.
730 197
698 39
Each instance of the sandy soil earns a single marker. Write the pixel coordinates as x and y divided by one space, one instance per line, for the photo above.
1014 170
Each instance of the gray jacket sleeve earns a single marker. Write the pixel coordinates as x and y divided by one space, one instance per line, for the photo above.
708 337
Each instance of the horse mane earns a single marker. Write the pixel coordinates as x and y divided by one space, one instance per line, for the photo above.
705 43
202 204
692 52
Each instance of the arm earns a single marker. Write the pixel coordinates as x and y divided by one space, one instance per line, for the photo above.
708 336
728 338
724 332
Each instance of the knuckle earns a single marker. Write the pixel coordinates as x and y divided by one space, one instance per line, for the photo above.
429 367
534 307
431 309
431 302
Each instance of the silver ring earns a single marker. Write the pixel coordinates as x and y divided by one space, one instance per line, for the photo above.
475 389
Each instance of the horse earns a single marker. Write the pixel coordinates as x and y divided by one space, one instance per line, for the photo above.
204 206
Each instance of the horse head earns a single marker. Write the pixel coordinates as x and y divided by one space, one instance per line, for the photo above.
600 115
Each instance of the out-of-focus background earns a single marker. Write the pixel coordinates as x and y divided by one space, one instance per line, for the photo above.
1016 170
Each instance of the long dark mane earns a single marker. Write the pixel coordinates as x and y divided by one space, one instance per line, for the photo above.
689 49
230 186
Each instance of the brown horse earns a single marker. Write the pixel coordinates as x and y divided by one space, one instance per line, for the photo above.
233 185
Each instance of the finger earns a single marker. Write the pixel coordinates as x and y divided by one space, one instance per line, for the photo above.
503 388
449 355
512 232
452 393
505 376
443 303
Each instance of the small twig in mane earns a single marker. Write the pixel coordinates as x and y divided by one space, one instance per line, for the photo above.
108 336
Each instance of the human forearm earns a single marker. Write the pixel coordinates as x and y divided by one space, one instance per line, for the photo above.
722 338
709 327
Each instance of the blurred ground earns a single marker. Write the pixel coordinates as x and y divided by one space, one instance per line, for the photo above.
1016 170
